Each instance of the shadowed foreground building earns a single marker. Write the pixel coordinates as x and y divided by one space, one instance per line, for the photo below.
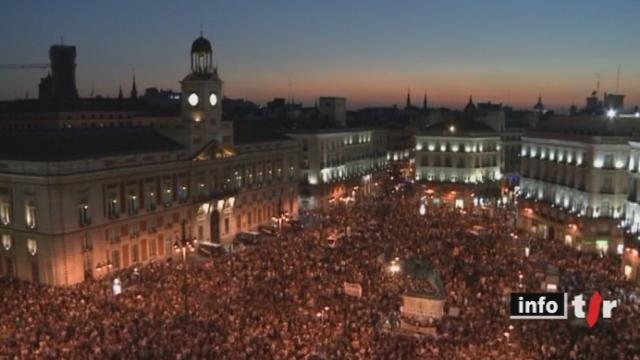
77 202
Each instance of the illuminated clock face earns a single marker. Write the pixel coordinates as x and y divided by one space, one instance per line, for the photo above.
213 99
193 99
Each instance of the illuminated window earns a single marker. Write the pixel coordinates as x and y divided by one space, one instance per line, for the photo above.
150 200
238 180
83 213
202 189
183 194
31 214
132 204
5 210
167 197
32 246
7 241
113 209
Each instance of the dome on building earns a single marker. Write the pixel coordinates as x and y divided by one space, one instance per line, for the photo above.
201 45
201 56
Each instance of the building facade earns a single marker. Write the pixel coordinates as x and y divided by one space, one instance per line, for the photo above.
335 161
77 203
574 188
631 224
457 160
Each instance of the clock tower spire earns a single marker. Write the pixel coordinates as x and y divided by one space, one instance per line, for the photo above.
200 124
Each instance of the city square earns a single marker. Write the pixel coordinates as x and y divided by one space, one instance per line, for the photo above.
284 298
319 180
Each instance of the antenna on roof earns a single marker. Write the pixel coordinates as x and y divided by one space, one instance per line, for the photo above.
618 79
200 30
61 39
290 95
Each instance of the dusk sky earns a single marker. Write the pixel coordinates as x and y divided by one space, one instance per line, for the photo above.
368 51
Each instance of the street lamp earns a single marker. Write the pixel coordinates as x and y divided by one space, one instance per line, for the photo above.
182 246
394 268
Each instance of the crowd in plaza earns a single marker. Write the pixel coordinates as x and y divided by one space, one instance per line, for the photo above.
284 299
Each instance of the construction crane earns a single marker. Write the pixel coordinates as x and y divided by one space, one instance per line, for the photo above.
24 66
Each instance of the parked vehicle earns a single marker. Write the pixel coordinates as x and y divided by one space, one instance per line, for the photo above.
210 249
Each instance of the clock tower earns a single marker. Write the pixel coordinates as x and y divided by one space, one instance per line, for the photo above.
201 108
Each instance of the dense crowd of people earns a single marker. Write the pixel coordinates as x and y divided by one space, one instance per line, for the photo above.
284 299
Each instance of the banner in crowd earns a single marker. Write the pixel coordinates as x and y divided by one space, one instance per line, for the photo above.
353 289
422 306
117 286
425 330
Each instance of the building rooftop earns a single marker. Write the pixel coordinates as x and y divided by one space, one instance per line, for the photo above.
247 132
149 106
81 143
460 126
332 130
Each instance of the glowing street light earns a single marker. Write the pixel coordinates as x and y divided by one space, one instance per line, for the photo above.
394 268
611 113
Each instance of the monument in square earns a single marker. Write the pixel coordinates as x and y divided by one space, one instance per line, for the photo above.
423 303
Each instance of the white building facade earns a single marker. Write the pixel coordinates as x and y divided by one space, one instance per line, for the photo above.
574 188
457 159
335 161
78 203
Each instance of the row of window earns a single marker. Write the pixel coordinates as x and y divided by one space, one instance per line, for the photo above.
6 214
345 160
334 174
604 210
459 161
569 156
334 144
8 244
478 177
130 254
573 179
459 147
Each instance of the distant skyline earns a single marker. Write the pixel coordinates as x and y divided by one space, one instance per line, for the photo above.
370 52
